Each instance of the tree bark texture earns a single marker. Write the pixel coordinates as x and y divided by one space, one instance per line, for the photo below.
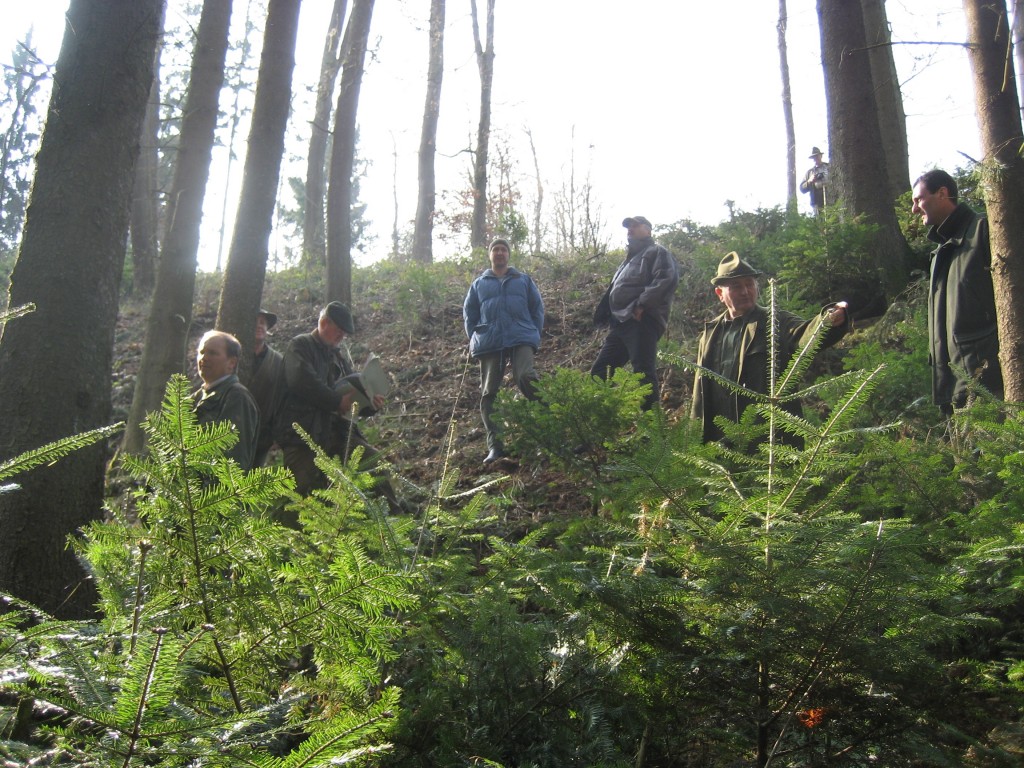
485 63
170 314
422 248
246 269
55 363
340 186
858 161
314 235
146 194
892 120
999 120
1018 48
787 109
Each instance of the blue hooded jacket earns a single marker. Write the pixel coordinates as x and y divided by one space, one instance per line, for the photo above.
502 312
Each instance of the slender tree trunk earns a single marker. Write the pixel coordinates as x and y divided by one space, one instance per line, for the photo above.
787 110
858 162
247 258
892 120
422 248
999 119
314 235
238 84
146 194
485 63
1018 48
55 362
170 315
538 207
340 189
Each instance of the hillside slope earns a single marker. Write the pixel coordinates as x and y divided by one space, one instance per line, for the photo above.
411 317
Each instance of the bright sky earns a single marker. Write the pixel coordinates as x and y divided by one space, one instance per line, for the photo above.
670 107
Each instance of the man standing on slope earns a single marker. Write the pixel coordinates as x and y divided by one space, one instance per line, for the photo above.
636 307
320 401
504 315
223 397
962 332
266 384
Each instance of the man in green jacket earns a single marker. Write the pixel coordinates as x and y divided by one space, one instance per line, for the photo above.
266 383
735 345
319 399
223 397
962 332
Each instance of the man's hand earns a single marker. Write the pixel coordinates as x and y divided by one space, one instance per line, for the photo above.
345 407
378 402
837 314
638 313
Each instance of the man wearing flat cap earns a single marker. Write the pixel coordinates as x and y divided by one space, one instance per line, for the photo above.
320 401
266 383
636 307
503 314
736 346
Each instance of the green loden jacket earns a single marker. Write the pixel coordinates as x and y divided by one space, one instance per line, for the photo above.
794 333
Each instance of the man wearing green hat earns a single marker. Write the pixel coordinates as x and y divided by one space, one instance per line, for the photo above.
735 345
320 401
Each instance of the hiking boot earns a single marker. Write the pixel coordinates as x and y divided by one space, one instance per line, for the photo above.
494 455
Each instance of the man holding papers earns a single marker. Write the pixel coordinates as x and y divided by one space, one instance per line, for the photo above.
323 391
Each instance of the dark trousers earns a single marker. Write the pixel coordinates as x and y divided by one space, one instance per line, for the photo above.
345 437
635 343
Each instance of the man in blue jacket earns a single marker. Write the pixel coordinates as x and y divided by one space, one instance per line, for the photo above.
504 315
636 306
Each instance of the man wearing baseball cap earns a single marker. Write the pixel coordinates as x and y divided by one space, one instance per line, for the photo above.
636 307
735 345
321 403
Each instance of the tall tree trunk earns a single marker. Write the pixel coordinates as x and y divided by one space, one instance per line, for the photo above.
485 63
340 188
858 161
55 363
146 194
247 258
999 118
538 206
170 314
1018 48
314 236
892 120
422 247
787 110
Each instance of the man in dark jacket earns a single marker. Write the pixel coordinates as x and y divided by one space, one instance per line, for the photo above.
504 315
319 399
962 332
636 307
735 345
266 384
222 397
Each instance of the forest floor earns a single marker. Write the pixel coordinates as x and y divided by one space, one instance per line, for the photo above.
411 318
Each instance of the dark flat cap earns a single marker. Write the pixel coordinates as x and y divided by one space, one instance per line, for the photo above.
733 266
271 318
339 315
629 222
